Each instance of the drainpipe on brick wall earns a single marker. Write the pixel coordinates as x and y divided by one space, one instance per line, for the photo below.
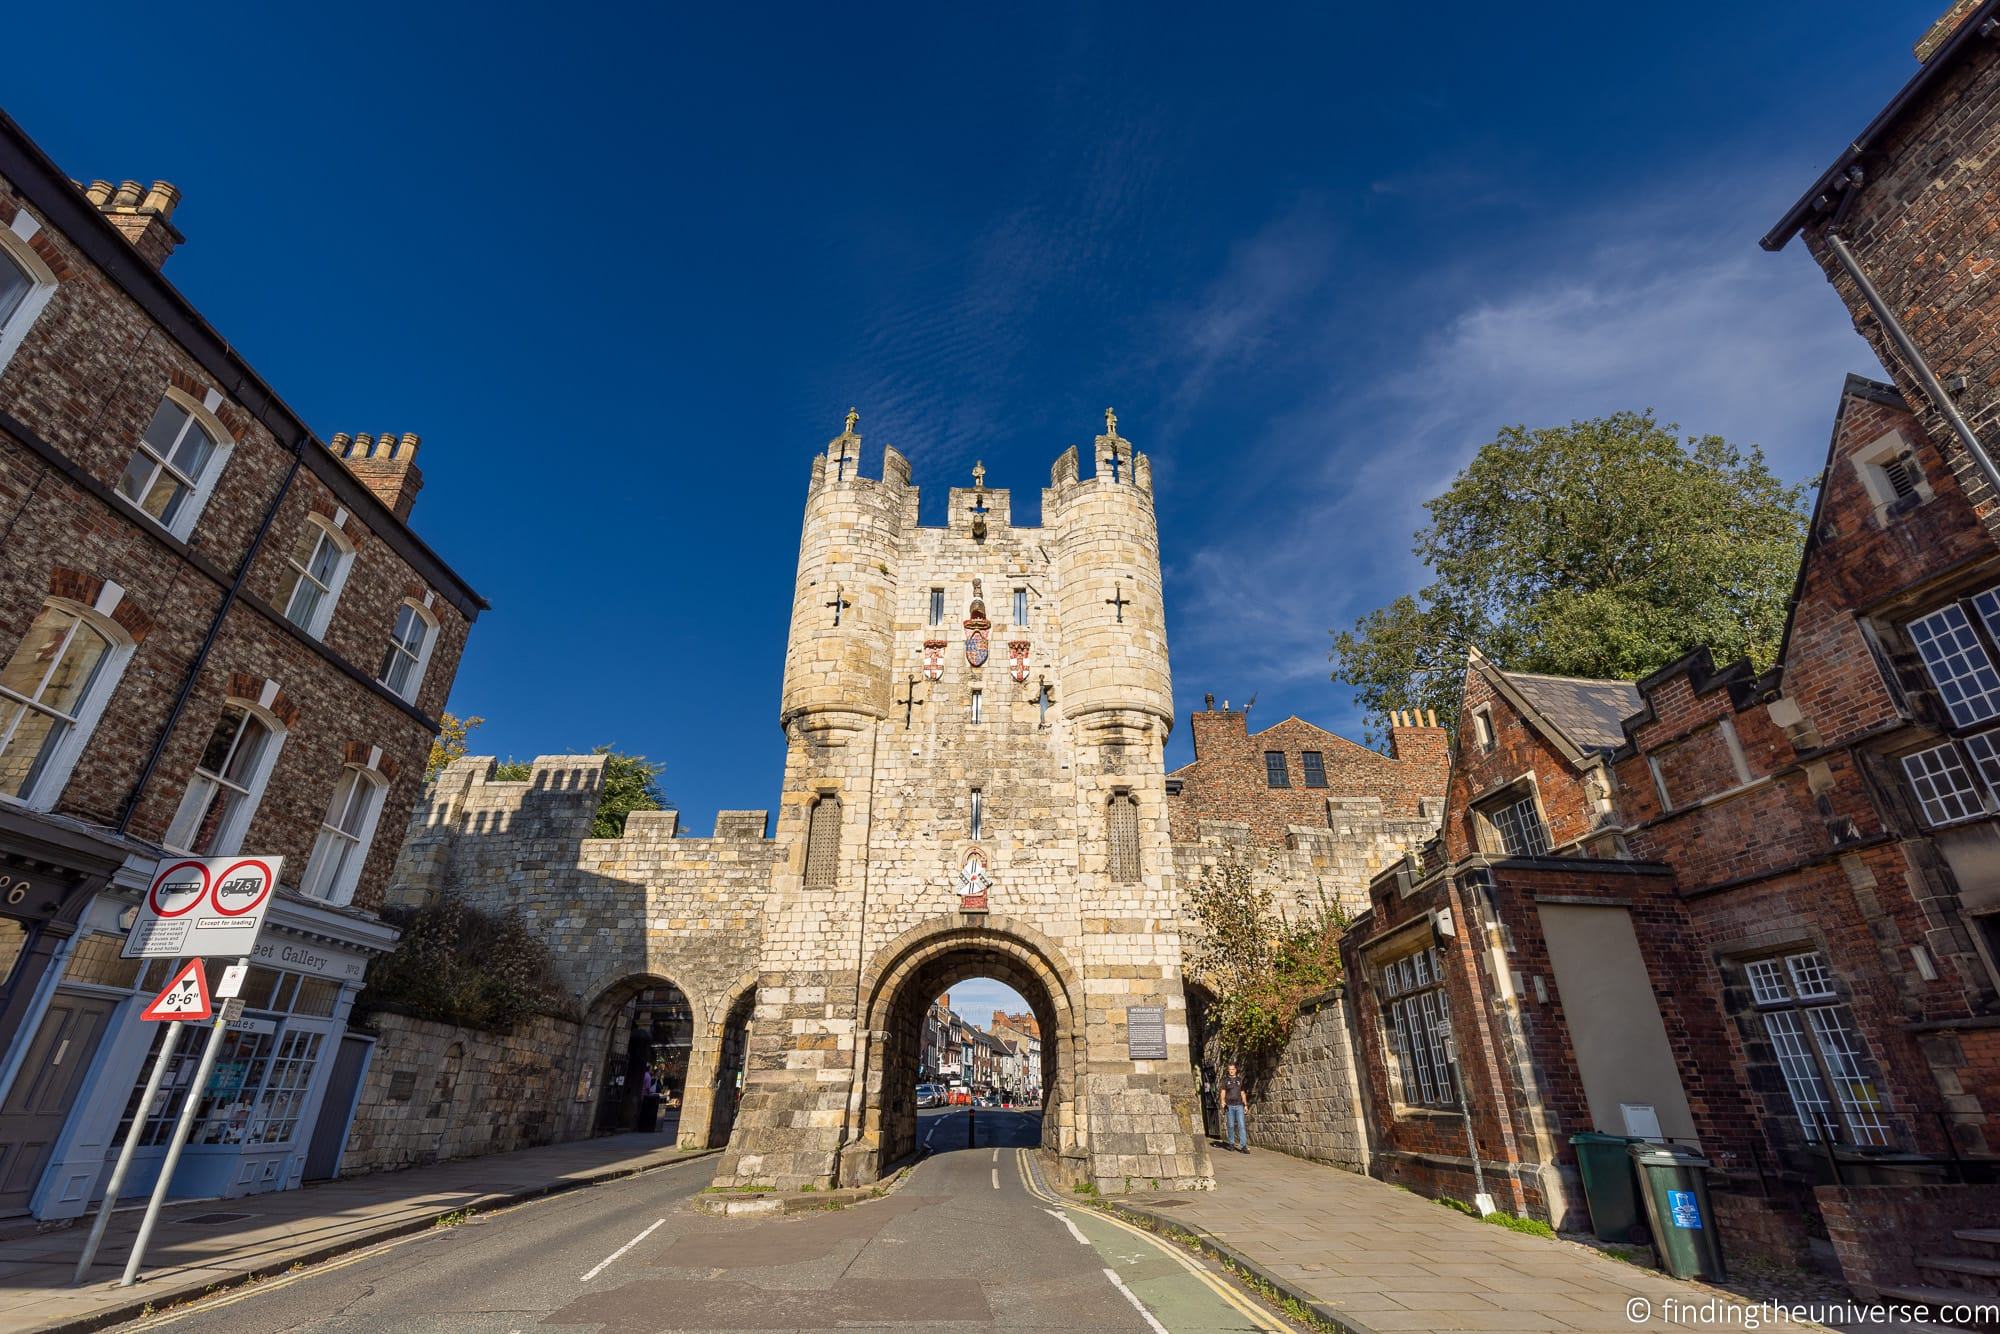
1934 390
186 691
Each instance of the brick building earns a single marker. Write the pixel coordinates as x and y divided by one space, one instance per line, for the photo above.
1757 912
218 635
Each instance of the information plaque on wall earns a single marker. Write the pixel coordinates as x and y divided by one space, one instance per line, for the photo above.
1146 1033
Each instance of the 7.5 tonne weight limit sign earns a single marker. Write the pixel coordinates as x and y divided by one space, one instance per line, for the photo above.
203 906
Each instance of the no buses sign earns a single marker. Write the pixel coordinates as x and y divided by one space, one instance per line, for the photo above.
200 906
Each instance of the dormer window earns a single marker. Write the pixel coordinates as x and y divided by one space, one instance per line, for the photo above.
1516 824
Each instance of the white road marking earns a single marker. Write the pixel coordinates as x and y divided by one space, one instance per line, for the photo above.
601 1264
1064 1219
996 1178
996 1155
1137 1305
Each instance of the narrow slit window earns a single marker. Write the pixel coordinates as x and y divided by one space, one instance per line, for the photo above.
978 822
937 606
979 706
1021 606
822 842
1123 831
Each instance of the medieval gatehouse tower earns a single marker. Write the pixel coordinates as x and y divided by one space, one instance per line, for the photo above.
974 716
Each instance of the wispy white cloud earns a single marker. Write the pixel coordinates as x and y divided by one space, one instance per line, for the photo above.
1676 310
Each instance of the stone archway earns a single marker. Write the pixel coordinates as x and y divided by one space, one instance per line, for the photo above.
898 987
712 1105
639 1020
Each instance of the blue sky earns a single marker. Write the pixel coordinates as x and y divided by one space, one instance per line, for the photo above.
625 270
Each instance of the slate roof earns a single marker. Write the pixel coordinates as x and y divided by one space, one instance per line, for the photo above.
1589 713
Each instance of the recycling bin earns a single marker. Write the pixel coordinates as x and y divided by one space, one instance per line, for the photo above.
1674 1184
1610 1185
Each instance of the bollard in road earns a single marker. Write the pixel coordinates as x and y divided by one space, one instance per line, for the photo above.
971 1126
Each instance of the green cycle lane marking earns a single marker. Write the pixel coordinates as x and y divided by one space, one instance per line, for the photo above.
1180 1301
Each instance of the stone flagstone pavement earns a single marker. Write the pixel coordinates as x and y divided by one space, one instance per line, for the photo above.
1376 1259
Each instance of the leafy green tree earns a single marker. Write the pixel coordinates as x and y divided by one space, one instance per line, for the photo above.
1605 548
1260 964
631 783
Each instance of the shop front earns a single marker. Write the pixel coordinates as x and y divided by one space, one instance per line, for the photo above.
50 870
256 1113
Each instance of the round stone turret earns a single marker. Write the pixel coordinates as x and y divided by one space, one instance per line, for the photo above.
1114 679
838 659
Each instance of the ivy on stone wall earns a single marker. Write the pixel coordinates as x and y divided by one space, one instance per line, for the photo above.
1260 962
457 964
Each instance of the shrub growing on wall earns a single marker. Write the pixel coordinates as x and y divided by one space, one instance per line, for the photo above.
1259 963
459 965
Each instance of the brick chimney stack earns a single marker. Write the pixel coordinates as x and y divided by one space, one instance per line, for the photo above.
386 464
144 216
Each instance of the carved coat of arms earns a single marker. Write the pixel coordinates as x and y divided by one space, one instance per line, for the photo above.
974 882
977 629
1017 659
933 659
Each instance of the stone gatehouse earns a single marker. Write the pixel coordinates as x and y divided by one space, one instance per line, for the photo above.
974 786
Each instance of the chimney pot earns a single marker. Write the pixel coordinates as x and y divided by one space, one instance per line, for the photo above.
128 195
99 193
1208 702
161 199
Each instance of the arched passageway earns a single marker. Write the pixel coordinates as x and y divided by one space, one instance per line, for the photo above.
730 1062
644 1029
1202 1055
899 990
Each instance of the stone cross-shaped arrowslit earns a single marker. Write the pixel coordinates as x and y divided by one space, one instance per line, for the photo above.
838 603
1117 599
1115 461
840 464
909 701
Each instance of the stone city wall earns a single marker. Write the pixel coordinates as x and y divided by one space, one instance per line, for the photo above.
437 1091
1306 1100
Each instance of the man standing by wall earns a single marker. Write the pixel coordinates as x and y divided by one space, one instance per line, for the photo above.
1234 1109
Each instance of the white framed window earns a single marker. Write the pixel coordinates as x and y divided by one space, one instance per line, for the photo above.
1943 786
1958 663
26 284
52 692
1818 1049
228 782
344 836
174 466
409 650
319 559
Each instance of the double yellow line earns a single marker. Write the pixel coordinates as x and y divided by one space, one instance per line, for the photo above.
1259 1318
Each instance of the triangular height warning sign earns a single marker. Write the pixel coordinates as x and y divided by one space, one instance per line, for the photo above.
186 997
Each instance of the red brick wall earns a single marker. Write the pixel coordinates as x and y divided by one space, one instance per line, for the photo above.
1227 778
86 381
1519 749
1922 229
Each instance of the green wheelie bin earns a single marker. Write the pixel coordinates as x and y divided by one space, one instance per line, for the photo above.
1609 1185
1674 1182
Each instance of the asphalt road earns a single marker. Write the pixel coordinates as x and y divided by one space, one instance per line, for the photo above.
966 1243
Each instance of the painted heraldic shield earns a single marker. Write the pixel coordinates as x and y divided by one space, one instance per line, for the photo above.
1017 659
976 631
933 659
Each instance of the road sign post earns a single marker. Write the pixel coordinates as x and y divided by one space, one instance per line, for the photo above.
181 1128
194 907
124 1165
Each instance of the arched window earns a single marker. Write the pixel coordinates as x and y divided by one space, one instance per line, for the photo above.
823 842
344 836
409 650
174 466
1123 831
319 560
52 691
26 284
228 782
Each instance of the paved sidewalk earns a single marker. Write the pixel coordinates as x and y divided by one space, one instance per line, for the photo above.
187 1258
1372 1258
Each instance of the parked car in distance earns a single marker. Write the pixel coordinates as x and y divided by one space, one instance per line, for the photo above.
928 1095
